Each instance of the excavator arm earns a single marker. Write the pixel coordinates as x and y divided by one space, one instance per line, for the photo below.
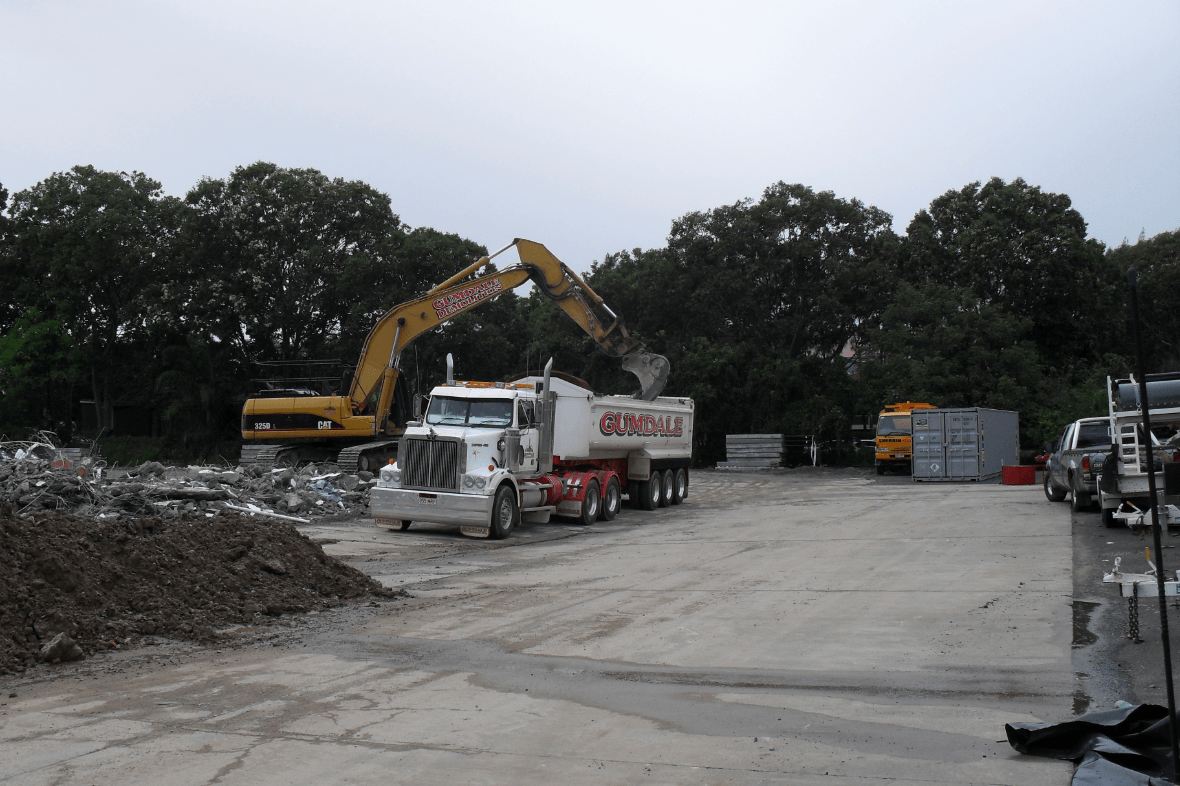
378 365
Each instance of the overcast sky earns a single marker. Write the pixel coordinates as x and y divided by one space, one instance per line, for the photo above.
589 127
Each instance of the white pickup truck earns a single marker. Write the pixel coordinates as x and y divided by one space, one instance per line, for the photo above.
488 455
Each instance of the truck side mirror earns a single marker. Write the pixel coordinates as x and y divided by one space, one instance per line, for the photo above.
1047 447
419 405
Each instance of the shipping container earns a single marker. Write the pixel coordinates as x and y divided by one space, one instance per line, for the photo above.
964 444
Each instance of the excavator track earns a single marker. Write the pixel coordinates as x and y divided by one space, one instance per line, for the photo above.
262 456
351 460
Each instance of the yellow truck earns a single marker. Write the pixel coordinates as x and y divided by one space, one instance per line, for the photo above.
895 430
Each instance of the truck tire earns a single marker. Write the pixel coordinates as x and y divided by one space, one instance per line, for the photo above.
680 486
591 504
1079 500
880 468
612 500
1052 493
400 526
633 495
666 490
650 492
504 512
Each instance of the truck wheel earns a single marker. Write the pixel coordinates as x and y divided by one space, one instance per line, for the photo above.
1052 494
504 512
591 504
880 468
633 495
1079 500
680 486
612 500
400 526
650 492
666 490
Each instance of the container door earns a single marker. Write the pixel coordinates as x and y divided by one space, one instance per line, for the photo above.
962 451
928 454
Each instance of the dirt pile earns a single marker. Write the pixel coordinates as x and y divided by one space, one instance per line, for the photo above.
105 582
39 476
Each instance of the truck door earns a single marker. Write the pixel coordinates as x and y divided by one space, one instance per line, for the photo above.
1056 465
526 422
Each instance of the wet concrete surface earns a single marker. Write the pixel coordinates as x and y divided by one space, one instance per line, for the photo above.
1108 666
806 627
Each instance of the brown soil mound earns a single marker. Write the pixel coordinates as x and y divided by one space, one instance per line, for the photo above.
101 582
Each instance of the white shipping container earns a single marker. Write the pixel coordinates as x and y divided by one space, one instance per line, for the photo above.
964 444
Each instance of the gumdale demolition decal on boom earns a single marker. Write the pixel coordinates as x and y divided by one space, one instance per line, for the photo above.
460 301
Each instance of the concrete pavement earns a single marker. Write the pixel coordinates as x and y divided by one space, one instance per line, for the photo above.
809 627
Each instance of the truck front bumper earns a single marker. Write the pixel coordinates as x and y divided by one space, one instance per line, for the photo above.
437 506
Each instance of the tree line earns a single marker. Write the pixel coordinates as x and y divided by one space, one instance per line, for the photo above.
799 312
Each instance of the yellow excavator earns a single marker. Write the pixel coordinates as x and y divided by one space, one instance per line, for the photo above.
359 430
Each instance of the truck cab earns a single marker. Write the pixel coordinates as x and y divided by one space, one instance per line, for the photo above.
894 442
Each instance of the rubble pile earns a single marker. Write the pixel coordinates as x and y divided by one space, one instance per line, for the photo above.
72 586
37 477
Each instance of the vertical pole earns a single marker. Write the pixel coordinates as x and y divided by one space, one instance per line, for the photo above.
1132 282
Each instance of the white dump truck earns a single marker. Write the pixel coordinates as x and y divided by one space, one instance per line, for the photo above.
486 456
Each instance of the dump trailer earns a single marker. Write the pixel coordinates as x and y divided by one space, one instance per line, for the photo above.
486 456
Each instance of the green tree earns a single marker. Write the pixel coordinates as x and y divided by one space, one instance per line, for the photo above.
283 261
755 304
39 365
1157 260
1025 251
88 250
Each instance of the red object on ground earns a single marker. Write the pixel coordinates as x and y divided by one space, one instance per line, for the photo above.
1025 475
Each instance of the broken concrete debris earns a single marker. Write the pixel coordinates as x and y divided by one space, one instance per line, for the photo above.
36 477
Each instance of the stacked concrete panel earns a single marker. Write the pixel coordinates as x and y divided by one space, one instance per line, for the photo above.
752 450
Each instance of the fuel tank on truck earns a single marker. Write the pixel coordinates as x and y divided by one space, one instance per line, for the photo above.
589 426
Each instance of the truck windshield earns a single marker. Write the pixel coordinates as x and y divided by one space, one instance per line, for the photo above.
894 426
1094 435
488 412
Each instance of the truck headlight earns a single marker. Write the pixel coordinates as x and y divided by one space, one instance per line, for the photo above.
468 481
390 476
474 482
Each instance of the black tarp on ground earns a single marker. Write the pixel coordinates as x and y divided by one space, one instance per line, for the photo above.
1130 746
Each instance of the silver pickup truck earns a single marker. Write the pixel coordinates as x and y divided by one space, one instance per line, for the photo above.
1076 461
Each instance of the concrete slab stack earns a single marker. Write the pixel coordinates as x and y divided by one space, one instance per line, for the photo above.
744 451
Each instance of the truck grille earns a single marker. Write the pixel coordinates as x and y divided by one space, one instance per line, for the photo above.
430 464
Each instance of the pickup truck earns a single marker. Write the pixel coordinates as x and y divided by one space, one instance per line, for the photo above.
1076 460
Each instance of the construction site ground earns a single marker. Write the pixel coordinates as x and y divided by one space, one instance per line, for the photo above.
804 627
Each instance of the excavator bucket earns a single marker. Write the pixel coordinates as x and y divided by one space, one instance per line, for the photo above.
652 371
